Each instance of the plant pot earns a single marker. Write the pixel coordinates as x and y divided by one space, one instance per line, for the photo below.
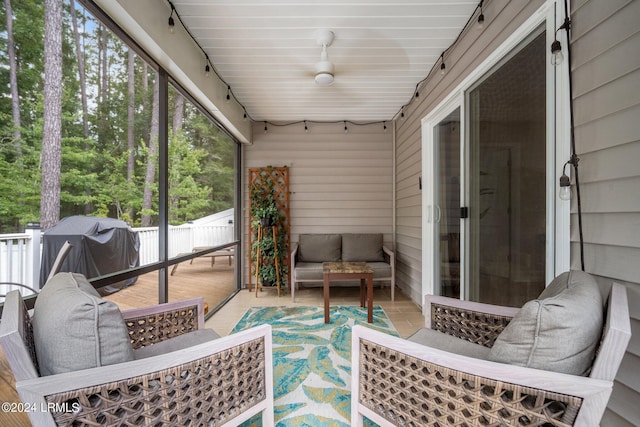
268 283
266 222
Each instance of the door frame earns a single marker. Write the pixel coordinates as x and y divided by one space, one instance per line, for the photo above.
557 247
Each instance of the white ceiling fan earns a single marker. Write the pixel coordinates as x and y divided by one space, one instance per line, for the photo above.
324 67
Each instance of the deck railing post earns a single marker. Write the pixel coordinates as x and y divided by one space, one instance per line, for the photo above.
33 255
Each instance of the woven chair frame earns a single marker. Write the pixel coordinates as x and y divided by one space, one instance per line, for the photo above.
156 327
408 391
27 337
476 327
207 391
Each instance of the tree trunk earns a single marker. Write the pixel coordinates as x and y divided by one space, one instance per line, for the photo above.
52 123
149 179
131 94
104 70
178 112
81 70
13 78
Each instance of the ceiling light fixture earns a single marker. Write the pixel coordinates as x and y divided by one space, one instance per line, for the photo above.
324 68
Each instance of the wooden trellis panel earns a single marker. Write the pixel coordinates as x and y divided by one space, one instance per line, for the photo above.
279 176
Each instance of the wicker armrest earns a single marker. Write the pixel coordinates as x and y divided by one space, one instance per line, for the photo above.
475 322
150 325
226 380
398 382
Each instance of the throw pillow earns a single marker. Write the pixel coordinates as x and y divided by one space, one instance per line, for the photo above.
362 247
75 329
319 247
560 331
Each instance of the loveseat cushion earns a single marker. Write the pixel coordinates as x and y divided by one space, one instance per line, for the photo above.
560 331
75 329
319 247
362 247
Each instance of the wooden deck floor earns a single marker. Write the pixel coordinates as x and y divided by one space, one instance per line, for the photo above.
214 284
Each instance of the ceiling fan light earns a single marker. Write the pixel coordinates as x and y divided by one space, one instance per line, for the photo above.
324 79
324 73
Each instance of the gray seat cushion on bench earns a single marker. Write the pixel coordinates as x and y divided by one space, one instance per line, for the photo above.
313 270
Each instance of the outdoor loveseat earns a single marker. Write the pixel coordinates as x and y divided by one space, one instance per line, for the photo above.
550 363
312 250
79 361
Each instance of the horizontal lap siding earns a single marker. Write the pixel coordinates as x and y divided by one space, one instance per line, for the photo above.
502 18
339 183
606 77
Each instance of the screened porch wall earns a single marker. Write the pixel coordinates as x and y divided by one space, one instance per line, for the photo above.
339 182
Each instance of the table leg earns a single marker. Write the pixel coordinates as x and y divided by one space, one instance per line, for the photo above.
370 298
326 298
363 291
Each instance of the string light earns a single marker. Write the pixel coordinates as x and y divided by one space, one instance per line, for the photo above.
480 24
556 46
208 67
306 128
384 124
443 68
172 23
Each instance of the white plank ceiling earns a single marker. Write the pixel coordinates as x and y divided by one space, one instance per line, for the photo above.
266 52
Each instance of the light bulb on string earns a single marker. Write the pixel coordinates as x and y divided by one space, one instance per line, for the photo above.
265 127
480 24
228 94
556 53
345 127
306 128
171 22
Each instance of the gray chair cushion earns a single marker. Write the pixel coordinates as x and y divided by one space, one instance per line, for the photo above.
75 329
558 332
319 247
176 343
362 247
441 341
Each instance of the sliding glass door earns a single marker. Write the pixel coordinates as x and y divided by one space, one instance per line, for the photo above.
486 217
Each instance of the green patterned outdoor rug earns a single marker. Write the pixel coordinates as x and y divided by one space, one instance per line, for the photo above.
312 361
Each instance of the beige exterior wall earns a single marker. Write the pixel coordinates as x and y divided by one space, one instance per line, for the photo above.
606 77
339 182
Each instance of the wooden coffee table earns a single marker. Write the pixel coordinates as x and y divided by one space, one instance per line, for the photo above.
349 271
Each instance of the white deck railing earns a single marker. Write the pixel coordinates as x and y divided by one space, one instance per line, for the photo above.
20 253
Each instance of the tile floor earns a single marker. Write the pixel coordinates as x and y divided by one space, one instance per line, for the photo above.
404 313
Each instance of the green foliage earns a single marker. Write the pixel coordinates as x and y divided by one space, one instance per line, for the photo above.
94 171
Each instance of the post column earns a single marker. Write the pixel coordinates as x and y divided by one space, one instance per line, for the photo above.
33 255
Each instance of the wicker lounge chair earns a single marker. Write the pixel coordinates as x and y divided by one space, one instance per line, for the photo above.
400 382
223 381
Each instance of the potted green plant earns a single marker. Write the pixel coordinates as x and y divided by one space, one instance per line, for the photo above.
268 275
